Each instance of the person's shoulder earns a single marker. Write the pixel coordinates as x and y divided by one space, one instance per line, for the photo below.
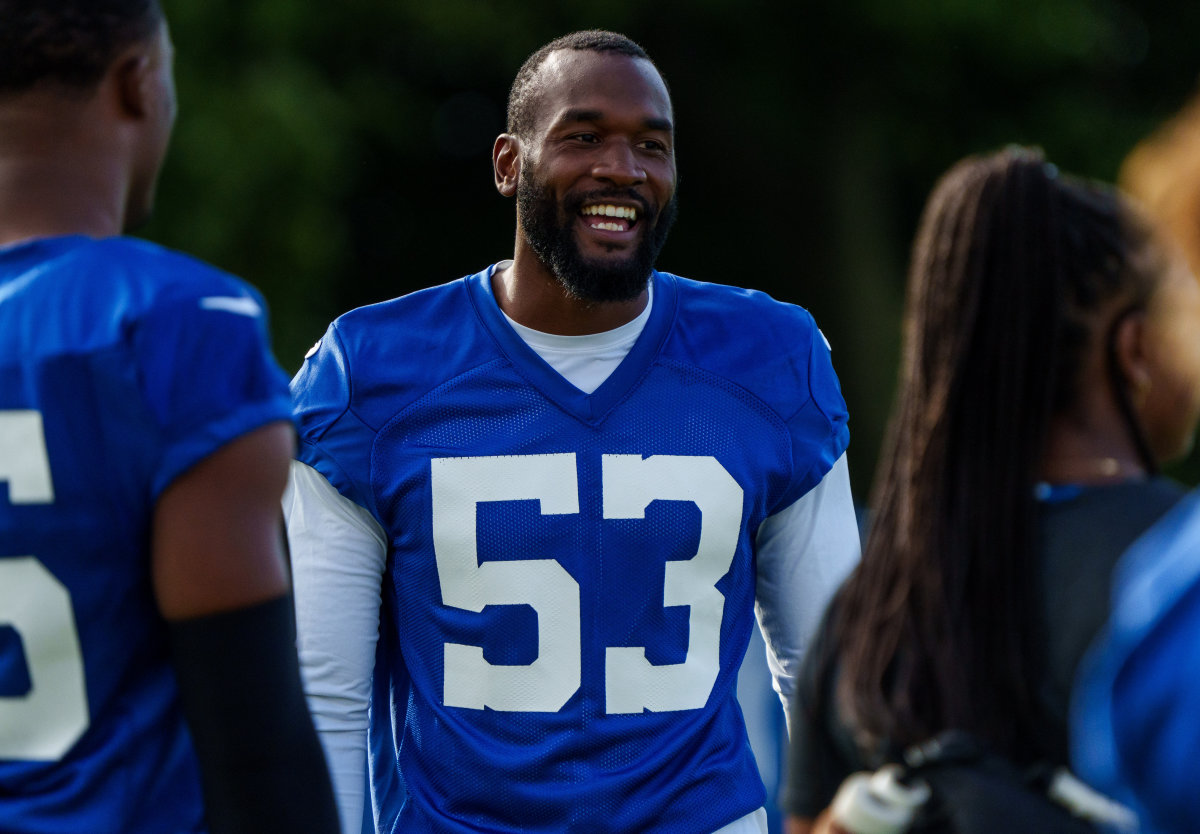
771 347
1177 529
126 268
725 302
404 321
1136 502
379 357
418 336
1166 490
93 292
748 322
160 272
122 280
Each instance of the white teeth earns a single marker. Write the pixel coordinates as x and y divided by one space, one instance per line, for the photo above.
609 227
626 212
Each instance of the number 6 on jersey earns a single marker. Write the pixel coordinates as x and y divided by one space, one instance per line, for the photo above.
43 724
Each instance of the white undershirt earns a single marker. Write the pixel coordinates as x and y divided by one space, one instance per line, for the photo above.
586 361
339 551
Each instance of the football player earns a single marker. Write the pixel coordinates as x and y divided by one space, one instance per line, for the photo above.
536 508
148 674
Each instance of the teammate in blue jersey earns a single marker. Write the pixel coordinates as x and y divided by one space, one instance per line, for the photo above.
148 678
536 509
1135 723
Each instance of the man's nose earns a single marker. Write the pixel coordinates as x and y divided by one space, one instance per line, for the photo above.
618 163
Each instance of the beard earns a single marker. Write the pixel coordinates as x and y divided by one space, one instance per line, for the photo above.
550 230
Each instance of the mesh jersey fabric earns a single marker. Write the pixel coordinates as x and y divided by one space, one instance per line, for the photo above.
122 364
570 578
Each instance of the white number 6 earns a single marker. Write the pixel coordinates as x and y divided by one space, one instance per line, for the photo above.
43 724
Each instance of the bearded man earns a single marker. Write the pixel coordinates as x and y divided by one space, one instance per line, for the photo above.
535 509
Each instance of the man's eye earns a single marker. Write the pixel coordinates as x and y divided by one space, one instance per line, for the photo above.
587 137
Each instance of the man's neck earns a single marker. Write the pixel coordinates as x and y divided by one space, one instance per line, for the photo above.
58 175
531 295
47 215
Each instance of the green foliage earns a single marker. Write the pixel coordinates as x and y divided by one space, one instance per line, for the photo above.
339 154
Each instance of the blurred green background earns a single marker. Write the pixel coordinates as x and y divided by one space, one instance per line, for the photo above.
340 154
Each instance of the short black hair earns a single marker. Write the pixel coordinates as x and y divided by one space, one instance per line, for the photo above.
522 95
68 42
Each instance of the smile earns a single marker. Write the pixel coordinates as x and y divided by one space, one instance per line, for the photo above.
610 218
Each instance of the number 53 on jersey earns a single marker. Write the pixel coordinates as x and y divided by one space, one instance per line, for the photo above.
630 484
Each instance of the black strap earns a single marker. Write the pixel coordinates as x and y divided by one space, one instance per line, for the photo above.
977 791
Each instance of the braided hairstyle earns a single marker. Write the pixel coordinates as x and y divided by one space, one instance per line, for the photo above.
68 42
1013 267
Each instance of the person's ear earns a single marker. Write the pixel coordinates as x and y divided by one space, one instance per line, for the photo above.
506 163
1132 355
134 84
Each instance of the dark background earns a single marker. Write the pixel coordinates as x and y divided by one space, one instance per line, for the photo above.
337 154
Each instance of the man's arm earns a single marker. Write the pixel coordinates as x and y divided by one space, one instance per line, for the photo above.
804 553
221 582
338 554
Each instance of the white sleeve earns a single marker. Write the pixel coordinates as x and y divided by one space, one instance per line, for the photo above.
338 552
804 554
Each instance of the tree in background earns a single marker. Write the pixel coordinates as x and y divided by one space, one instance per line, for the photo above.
339 154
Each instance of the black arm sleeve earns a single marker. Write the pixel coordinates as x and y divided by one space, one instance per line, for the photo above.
261 764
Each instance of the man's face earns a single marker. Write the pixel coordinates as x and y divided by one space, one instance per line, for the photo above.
596 194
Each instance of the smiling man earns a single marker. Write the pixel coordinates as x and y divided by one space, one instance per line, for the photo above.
536 509
591 161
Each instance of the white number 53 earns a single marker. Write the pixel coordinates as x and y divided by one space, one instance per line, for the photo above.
630 484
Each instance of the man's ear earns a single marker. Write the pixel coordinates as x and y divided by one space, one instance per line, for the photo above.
133 83
506 163
1133 359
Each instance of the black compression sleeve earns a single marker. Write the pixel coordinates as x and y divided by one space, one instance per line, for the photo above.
261 764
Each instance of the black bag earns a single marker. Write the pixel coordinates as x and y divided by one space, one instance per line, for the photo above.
976 791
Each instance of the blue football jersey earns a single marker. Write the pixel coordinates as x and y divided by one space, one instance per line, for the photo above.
1135 725
122 364
570 577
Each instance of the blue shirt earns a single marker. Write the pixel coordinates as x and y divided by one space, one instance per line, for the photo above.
1136 711
122 364
570 577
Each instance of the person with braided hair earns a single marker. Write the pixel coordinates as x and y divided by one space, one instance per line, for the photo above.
1051 363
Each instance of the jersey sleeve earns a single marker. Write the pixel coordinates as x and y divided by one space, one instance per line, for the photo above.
805 553
339 551
1135 729
333 440
819 427
206 372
